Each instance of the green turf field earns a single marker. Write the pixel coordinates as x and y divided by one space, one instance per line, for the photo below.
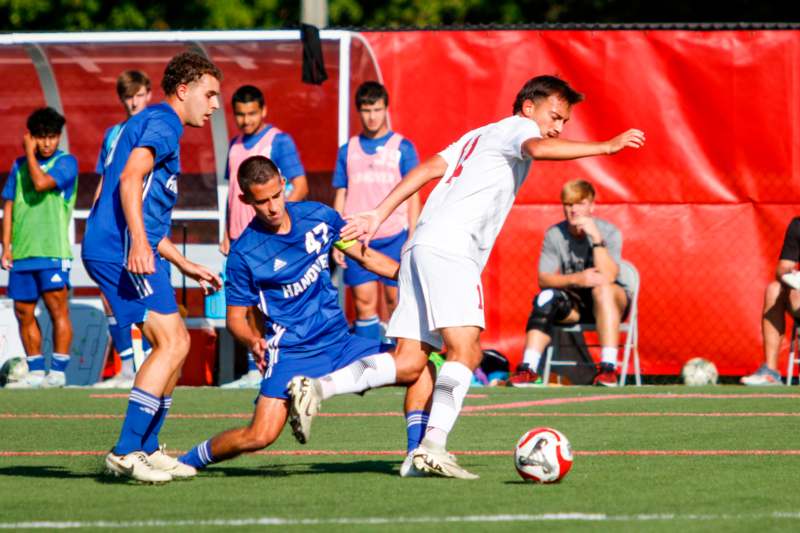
730 460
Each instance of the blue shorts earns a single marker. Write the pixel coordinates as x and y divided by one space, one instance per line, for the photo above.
282 367
28 285
132 295
355 274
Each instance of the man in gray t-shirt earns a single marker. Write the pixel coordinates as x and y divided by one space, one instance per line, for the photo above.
579 277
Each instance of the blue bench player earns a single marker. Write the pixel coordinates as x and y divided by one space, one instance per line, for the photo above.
279 264
126 249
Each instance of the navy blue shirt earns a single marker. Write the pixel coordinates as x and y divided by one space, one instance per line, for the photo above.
408 157
288 278
159 128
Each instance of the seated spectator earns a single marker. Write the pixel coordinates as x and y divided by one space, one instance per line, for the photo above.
781 296
579 278
38 200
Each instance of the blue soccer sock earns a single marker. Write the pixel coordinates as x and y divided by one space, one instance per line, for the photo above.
199 456
368 327
59 362
150 440
142 408
35 363
251 363
416 422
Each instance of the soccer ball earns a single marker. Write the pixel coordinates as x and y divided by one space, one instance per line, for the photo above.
699 371
13 369
543 455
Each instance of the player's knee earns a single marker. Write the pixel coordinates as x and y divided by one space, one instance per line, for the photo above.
773 291
409 368
25 314
549 306
603 293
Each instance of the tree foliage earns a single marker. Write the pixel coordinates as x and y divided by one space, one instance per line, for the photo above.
96 15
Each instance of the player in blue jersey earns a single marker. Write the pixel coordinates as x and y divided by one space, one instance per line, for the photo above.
257 138
368 166
279 264
38 200
126 248
134 92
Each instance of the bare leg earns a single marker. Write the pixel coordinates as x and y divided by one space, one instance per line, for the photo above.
170 340
610 301
268 421
29 331
57 303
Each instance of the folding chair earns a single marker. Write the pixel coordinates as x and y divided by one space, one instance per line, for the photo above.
794 357
630 277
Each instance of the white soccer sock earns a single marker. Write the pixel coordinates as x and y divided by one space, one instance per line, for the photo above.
448 396
609 354
532 357
368 373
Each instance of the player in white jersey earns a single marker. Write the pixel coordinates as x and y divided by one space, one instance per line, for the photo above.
441 298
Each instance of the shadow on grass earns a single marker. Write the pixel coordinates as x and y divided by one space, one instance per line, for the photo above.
304 469
53 472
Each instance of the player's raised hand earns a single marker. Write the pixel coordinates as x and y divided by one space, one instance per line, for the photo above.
208 280
630 139
361 226
140 258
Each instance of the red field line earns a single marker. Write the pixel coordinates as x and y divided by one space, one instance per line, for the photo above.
400 453
603 398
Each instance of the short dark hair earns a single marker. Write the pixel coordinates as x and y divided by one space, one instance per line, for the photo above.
256 169
246 94
541 87
370 92
187 67
129 83
45 121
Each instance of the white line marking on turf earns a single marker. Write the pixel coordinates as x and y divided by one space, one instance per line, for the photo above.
275 521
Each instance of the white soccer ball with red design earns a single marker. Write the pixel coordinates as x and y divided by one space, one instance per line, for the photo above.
543 455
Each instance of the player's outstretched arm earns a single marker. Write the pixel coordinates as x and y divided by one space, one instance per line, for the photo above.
561 149
370 259
241 329
364 225
208 280
140 163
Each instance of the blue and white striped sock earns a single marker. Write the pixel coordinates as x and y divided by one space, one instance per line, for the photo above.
150 439
416 422
35 363
59 362
199 456
142 408
368 327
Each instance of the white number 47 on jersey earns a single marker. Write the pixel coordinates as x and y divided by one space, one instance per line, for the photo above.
313 246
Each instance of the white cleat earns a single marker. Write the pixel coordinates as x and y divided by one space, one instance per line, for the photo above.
407 469
792 279
135 466
251 380
439 463
117 382
306 398
166 463
31 380
54 380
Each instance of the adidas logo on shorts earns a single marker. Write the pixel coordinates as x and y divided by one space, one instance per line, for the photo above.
56 278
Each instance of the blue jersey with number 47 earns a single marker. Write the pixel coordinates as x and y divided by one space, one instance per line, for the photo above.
288 278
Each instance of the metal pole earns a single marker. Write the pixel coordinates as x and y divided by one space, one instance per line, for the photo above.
314 12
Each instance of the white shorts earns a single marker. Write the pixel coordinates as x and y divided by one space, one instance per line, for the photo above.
436 290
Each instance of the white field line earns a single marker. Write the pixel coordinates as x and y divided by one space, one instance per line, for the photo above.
377 521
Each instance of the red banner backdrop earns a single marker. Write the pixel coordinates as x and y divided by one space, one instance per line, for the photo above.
702 207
